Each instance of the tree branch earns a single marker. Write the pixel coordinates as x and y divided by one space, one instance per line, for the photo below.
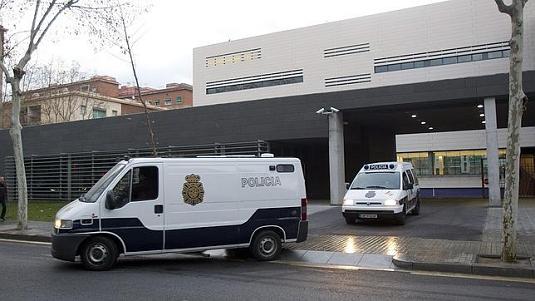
504 8
5 70
32 29
64 7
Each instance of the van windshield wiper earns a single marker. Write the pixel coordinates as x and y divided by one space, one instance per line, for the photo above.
376 186
357 187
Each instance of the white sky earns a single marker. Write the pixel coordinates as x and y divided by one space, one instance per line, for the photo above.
166 36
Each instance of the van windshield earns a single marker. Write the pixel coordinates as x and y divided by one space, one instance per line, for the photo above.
376 180
94 193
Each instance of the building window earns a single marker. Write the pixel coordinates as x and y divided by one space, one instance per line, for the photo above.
494 55
179 99
113 113
447 163
255 81
156 102
466 58
167 102
84 88
83 110
254 85
450 60
99 113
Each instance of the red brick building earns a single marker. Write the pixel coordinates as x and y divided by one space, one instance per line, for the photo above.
173 96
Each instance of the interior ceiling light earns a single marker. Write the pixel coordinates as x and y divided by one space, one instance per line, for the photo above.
423 122
480 106
431 128
481 115
413 115
483 122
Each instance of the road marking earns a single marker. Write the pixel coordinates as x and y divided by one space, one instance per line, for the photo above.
26 242
419 273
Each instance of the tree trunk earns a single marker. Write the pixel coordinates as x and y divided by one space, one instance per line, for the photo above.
16 139
517 101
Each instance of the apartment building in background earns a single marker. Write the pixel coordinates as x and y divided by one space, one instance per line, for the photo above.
173 96
93 98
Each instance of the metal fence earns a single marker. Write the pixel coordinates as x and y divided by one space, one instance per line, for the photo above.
66 176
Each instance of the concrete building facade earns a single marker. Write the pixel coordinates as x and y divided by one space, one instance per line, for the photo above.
447 40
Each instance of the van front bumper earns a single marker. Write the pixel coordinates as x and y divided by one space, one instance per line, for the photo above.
380 211
65 246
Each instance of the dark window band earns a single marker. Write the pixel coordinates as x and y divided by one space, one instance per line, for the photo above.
467 58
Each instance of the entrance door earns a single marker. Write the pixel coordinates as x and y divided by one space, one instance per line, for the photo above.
138 214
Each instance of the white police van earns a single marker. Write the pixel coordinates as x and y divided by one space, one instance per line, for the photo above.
379 190
162 205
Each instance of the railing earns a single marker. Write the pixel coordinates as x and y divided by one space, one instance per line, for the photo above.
68 175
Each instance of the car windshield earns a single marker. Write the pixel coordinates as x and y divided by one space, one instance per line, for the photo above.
93 194
376 180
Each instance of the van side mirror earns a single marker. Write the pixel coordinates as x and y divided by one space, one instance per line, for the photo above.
110 201
347 185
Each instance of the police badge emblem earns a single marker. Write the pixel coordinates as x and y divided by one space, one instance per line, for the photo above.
193 191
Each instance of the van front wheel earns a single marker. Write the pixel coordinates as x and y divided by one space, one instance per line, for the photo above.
99 253
266 246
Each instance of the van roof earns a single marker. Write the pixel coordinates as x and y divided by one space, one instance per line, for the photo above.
211 159
386 166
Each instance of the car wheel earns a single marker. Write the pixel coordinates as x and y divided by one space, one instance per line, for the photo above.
350 220
99 253
400 217
266 246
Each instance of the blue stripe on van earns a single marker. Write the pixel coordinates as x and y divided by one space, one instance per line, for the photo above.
139 238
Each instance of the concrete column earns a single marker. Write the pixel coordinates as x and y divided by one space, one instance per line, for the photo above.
493 164
336 158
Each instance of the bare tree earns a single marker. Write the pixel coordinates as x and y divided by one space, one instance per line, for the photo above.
95 16
517 105
128 50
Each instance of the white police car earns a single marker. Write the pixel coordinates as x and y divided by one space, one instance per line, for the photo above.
386 189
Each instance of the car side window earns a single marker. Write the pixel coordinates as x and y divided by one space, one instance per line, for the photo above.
121 191
405 180
411 178
415 179
144 183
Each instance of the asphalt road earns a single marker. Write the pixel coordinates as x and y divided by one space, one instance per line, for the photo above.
455 219
27 272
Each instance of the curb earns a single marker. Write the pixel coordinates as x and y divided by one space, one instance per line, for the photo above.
26 237
474 268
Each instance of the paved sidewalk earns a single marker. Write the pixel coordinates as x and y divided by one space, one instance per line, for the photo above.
37 231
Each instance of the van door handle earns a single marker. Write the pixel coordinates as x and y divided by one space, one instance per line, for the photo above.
158 209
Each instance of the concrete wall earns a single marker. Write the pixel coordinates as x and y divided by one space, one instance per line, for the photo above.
409 32
458 140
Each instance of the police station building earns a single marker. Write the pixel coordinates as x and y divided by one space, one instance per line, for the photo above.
427 84
436 72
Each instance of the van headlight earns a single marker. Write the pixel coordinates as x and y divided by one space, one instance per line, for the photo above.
390 202
62 224
348 202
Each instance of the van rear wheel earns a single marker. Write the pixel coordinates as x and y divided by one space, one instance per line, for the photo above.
99 253
266 246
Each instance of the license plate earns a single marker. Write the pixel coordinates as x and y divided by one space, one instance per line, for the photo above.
368 215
